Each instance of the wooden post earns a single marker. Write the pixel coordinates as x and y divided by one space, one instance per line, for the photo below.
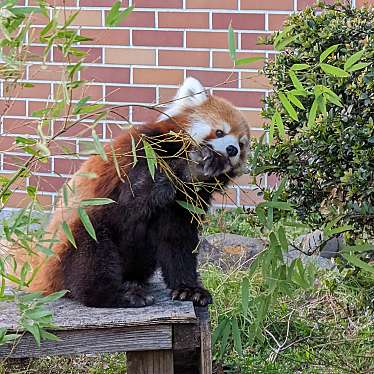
205 341
150 362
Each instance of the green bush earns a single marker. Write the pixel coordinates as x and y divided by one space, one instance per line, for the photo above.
321 114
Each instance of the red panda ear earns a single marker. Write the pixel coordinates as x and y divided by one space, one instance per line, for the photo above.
190 94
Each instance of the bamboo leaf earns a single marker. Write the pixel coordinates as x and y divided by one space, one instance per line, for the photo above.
151 157
98 146
334 71
295 101
237 337
115 16
245 296
232 43
359 66
87 223
297 84
328 52
277 118
288 106
192 208
353 59
358 263
313 113
247 60
96 201
69 234
297 67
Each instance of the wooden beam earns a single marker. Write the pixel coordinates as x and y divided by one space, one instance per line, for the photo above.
150 362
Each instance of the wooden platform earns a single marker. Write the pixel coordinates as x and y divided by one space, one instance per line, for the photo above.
167 337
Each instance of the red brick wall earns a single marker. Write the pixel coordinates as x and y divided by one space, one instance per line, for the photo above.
143 61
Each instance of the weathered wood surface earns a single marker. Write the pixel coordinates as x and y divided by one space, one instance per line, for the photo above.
150 362
124 339
71 315
205 340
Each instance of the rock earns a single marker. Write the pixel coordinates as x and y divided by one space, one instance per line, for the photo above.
229 251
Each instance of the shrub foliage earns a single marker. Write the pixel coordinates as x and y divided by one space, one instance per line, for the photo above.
321 115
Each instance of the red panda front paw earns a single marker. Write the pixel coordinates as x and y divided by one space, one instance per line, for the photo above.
134 296
209 163
198 295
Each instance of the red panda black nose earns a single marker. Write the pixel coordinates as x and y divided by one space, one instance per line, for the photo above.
232 151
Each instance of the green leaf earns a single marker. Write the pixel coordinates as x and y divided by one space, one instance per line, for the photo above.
151 157
313 113
87 223
334 71
282 238
96 201
287 105
225 337
359 66
98 146
281 205
191 208
295 101
328 52
271 131
115 16
53 297
219 330
232 43
277 120
297 67
237 337
358 263
353 59
85 109
69 233
358 248
34 330
331 96
297 84
247 60
245 296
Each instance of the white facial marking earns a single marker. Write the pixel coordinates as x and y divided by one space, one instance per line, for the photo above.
226 128
220 145
199 130
190 94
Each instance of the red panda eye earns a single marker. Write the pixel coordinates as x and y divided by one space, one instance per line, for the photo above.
220 134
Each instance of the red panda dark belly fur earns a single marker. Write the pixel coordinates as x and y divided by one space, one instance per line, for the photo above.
144 229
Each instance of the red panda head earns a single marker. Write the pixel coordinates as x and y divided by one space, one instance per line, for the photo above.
212 121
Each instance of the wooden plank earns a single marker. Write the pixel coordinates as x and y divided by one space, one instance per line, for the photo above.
71 315
153 337
206 341
150 362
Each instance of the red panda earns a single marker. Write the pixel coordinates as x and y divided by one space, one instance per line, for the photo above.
146 228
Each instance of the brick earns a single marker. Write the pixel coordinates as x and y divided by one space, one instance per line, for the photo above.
213 78
201 39
159 4
61 147
95 92
130 94
12 108
130 56
360 3
7 143
241 98
13 162
38 19
94 55
101 3
266 4
84 18
67 166
302 4
223 60
56 2
106 74
150 38
20 184
77 129
47 72
166 94
120 113
21 200
183 20
212 4
107 37
243 180
158 76
19 126
251 41
113 130
229 197
144 115
249 197
47 183
139 19
36 53
239 21
254 118
254 80
183 58
276 21
39 90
